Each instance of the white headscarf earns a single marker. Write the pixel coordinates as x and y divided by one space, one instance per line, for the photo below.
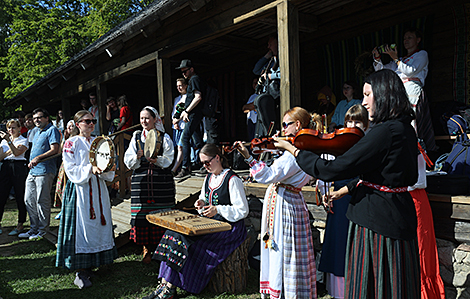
158 120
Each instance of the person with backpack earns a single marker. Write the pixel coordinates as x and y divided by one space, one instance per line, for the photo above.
192 115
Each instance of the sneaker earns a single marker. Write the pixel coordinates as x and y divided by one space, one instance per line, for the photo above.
37 236
27 234
202 172
82 280
184 173
14 232
157 292
167 293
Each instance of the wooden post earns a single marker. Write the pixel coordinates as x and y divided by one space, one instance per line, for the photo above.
165 103
288 40
121 172
101 95
66 113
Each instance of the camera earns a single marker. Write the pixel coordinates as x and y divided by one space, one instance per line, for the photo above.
381 48
179 110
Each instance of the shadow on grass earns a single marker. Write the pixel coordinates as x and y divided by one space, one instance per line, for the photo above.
31 274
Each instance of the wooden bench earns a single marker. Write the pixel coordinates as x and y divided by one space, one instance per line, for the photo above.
451 216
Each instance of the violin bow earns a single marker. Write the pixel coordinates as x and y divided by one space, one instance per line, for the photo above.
270 131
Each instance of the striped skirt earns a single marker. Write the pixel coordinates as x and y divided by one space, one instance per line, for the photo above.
66 256
289 271
380 267
152 189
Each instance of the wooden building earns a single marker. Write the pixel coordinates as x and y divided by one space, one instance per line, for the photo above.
320 43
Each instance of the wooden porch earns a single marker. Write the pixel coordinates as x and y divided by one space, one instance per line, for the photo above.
451 214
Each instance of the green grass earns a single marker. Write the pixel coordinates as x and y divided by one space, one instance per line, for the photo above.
27 271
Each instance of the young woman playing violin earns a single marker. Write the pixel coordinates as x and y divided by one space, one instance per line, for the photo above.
382 252
287 257
333 255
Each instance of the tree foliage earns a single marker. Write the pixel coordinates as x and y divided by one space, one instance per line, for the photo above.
37 36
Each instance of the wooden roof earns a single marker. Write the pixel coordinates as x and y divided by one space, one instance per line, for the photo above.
217 34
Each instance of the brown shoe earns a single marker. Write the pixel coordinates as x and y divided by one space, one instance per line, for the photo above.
147 256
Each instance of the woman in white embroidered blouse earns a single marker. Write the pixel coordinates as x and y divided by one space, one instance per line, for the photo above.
86 238
287 256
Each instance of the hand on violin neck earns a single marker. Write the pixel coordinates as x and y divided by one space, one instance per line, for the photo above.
242 149
284 145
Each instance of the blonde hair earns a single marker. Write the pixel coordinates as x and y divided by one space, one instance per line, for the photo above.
358 113
307 120
300 114
316 122
11 121
77 118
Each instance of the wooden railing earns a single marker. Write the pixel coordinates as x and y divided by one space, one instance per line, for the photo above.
122 172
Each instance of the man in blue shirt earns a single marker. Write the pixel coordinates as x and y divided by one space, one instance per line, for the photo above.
41 175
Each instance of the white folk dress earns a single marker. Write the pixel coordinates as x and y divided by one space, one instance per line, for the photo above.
287 262
91 235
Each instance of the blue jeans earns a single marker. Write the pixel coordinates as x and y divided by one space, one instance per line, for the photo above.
191 130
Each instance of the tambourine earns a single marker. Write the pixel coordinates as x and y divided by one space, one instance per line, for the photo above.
153 143
102 153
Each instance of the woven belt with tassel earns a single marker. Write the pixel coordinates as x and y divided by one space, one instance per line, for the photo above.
268 237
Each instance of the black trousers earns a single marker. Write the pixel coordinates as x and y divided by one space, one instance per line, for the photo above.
266 106
13 173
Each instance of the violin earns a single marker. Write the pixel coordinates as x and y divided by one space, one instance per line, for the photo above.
335 143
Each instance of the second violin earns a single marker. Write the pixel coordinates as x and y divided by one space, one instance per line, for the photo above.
335 143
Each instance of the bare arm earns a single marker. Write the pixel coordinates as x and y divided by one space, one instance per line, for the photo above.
197 99
108 112
248 107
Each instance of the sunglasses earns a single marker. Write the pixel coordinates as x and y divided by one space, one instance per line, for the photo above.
184 72
89 121
285 125
207 163
38 117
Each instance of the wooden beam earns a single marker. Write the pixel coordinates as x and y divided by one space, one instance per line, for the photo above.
288 40
206 30
165 105
234 43
101 95
257 12
54 82
69 74
66 112
126 67
307 23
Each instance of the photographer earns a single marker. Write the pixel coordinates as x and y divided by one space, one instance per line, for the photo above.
13 171
268 88
412 70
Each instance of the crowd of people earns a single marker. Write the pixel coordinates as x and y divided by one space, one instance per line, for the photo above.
379 240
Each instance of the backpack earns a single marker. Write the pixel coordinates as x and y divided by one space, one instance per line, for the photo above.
211 100
458 161
457 125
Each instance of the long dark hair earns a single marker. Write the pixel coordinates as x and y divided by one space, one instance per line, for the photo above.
390 97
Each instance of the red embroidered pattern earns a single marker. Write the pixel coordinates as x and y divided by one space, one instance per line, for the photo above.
382 188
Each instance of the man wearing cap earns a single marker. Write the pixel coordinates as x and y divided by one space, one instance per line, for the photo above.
192 115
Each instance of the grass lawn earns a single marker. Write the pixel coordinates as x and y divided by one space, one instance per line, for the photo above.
27 271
